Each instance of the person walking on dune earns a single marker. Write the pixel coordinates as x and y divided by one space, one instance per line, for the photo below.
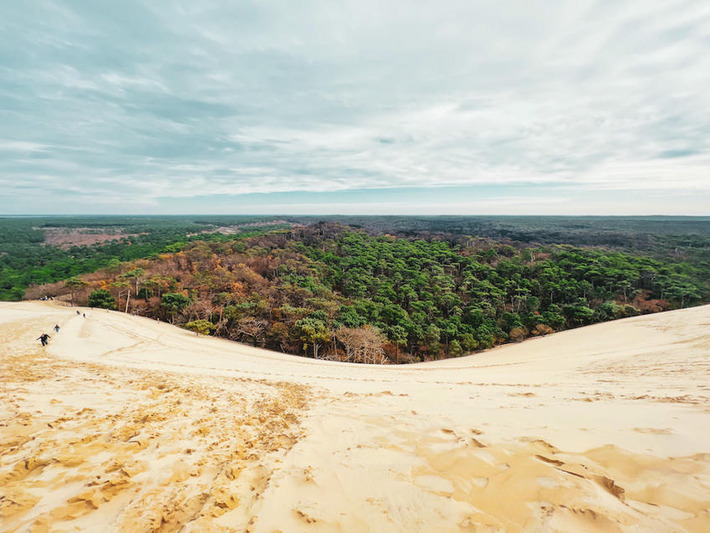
56 328
44 339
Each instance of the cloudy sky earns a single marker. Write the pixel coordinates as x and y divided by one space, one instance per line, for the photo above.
355 106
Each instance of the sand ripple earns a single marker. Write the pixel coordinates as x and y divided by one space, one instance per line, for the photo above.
84 444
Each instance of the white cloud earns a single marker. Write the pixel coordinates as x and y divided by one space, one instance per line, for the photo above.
156 100
20 147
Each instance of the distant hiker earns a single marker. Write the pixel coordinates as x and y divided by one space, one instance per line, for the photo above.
56 328
78 313
84 315
44 338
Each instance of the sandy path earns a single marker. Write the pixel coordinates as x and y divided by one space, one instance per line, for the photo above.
603 428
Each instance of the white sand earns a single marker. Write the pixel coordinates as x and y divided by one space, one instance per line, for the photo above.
125 423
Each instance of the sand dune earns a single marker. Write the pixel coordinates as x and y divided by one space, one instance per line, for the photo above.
126 424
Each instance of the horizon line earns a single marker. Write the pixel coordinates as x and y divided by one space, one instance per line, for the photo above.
254 215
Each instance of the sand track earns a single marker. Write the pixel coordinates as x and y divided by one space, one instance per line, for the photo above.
126 424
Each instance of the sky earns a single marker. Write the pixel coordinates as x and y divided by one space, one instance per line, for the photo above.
476 107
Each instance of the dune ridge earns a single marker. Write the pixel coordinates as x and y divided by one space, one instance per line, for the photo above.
130 424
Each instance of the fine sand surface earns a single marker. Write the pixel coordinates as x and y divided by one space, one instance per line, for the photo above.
126 424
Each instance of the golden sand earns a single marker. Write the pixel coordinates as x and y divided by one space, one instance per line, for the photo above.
126 424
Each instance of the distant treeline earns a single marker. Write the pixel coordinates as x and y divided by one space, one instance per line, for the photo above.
665 237
335 292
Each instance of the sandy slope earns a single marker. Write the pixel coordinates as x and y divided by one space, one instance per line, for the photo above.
127 424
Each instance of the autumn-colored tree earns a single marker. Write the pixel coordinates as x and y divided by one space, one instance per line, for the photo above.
362 345
277 336
252 328
199 309
123 289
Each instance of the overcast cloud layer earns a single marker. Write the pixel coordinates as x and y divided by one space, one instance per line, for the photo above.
536 106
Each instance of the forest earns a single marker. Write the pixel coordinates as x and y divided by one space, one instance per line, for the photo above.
39 250
333 291
674 238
